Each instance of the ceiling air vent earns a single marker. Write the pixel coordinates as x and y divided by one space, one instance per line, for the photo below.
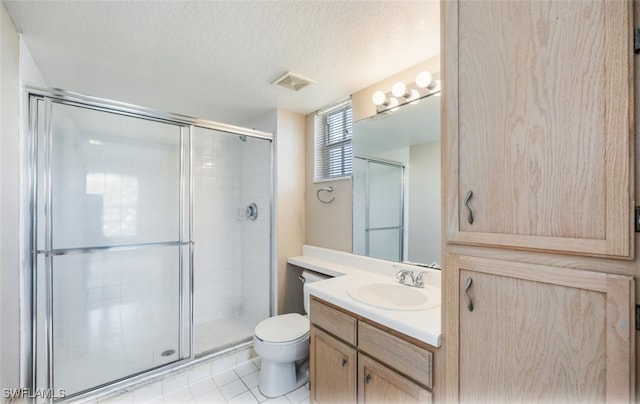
292 81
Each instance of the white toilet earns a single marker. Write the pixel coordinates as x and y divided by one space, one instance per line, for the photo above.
283 343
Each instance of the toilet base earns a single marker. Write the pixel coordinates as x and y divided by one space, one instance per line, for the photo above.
279 378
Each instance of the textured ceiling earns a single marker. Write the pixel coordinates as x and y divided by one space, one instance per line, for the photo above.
216 59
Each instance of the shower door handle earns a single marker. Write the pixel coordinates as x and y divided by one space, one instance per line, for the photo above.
121 247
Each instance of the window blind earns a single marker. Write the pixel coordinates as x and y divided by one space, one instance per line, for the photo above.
333 148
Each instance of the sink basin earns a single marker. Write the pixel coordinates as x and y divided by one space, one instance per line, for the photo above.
394 296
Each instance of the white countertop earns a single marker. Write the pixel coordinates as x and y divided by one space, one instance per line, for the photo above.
424 325
323 266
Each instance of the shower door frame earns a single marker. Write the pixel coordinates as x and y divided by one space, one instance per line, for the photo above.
401 228
31 358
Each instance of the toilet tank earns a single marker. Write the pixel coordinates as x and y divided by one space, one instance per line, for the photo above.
309 276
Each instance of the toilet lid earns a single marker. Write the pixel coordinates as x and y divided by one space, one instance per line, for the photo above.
282 328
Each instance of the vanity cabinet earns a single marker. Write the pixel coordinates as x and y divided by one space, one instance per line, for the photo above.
333 369
538 125
353 359
379 384
521 332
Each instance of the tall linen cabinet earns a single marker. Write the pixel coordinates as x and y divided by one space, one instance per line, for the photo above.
538 152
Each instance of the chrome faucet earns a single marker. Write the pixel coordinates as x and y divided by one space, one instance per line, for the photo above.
402 274
417 282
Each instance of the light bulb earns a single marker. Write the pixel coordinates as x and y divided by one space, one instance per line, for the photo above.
399 89
379 98
423 79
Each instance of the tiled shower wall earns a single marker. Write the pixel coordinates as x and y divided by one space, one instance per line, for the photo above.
256 174
217 275
232 257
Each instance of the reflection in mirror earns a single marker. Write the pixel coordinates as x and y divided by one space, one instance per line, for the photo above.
396 184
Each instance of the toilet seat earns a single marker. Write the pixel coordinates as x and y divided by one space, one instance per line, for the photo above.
283 328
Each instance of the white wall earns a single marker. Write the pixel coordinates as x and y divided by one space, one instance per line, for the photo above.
29 72
9 203
290 213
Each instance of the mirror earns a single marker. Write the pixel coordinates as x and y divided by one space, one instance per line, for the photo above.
396 184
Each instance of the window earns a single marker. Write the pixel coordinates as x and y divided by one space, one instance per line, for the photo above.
333 148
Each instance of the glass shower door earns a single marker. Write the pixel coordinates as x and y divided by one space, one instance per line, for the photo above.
384 211
378 229
112 235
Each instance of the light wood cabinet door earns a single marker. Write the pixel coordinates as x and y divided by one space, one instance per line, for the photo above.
379 384
531 333
537 124
333 369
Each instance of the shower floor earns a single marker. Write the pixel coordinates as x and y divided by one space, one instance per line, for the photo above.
120 353
222 333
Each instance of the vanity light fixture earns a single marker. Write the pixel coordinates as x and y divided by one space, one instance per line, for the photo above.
380 98
402 93
425 80
394 103
400 90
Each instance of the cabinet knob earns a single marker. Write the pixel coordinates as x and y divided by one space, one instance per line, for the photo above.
469 211
367 378
344 362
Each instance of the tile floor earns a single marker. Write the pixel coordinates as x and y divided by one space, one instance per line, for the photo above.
236 385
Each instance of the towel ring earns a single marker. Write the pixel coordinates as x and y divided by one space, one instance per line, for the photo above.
327 189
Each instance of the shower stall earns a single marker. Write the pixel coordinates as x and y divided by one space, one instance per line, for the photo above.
151 240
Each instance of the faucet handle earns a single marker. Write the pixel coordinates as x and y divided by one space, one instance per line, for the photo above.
420 279
402 274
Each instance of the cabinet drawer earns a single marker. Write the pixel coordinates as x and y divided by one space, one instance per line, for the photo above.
334 321
405 357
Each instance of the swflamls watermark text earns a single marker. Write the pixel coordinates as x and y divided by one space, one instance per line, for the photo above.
37 393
